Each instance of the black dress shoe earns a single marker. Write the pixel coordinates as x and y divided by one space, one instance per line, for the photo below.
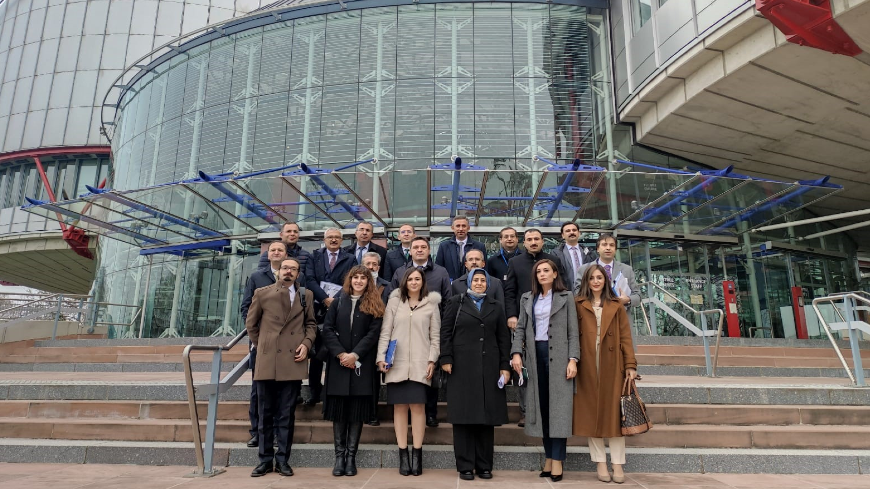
374 422
284 469
254 441
311 402
262 469
431 422
484 474
556 478
466 475
545 473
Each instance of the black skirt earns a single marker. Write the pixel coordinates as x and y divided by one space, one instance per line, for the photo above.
348 409
407 392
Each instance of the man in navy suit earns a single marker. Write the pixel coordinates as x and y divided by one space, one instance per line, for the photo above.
262 277
451 253
363 244
329 264
399 256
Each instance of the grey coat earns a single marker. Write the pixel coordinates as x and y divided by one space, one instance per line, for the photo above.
564 344
618 267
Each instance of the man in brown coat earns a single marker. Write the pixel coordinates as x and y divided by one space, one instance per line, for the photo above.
282 331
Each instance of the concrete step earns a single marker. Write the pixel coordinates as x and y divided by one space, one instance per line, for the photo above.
661 414
169 386
744 361
639 460
129 367
826 351
661 436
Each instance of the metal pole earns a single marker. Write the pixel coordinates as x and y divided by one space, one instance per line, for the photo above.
654 331
145 296
853 343
57 316
212 412
706 341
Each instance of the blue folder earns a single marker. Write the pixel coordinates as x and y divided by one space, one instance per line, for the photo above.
391 353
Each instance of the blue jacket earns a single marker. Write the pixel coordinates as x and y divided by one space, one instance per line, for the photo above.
294 252
448 255
395 260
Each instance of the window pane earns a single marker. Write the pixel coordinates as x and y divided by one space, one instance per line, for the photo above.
641 12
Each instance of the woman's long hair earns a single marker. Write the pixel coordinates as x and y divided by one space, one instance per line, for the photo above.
586 287
558 285
403 285
370 303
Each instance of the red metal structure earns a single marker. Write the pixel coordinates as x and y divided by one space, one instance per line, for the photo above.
809 23
729 292
800 317
74 237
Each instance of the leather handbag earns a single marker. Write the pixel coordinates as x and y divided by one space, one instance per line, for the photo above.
634 417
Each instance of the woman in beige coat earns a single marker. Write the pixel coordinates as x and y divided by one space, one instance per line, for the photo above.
413 320
606 359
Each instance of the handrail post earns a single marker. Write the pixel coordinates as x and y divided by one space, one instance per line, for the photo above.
211 421
706 341
718 340
57 316
853 342
827 329
194 416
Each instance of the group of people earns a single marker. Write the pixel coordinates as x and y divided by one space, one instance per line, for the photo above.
477 323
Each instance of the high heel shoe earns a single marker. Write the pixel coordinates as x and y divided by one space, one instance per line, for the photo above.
557 477
618 478
546 473
605 477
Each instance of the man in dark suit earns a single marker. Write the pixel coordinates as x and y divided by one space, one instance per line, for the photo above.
282 330
263 277
290 237
474 259
372 261
451 252
363 244
326 267
399 256
572 254
497 265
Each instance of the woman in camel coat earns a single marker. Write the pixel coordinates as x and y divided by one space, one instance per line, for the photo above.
606 358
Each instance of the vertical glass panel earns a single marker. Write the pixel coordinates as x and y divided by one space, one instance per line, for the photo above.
303 126
494 118
220 70
176 83
271 130
195 81
342 48
306 65
492 40
246 64
167 152
378 45
416 35
641 12
238 155
454 52
454 117
377 115
278 49
415 123
213 139
338 124
87 176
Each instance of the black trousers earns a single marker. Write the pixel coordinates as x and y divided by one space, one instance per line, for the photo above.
431 402
473 446
315 371
277 408
253 408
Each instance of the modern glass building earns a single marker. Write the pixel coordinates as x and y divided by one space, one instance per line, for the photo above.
399 112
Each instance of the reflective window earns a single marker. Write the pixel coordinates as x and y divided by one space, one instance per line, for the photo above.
641 13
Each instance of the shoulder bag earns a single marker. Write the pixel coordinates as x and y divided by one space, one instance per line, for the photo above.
634 417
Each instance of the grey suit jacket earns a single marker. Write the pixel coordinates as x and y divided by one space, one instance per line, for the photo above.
618 267
562 252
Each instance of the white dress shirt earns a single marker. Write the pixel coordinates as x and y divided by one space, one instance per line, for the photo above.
542 316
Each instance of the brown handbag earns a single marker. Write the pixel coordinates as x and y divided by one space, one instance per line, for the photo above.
634 418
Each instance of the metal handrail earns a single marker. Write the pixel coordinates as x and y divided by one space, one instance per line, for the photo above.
205 456
713 365
858 377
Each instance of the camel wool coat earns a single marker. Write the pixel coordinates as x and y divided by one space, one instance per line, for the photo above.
596 403
278 328
417 334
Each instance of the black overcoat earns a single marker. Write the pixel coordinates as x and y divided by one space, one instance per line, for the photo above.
362 339
478 349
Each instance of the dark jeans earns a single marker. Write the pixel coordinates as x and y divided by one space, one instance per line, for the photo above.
554 448
253 408
277 413
474 446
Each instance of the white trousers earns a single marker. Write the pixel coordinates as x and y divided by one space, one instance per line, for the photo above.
617 450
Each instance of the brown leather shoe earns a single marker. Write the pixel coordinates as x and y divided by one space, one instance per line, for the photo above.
522 422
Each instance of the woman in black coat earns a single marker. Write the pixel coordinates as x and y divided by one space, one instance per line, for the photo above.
350 335
475 351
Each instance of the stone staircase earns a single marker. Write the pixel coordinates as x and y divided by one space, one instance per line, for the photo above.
790 410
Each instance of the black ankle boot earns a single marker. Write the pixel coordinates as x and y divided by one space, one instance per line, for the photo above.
354 430
417 461
339 433
404 463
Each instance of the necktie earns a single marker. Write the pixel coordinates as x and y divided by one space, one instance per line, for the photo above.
332 262
576 258
607 269
461 252
407 256
359 255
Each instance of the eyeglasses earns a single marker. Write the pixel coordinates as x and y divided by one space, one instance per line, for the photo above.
293 269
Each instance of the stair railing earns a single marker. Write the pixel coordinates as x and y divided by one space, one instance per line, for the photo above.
850 301
215 387
711 363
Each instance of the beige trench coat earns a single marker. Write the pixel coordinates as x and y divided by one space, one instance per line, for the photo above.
418 335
